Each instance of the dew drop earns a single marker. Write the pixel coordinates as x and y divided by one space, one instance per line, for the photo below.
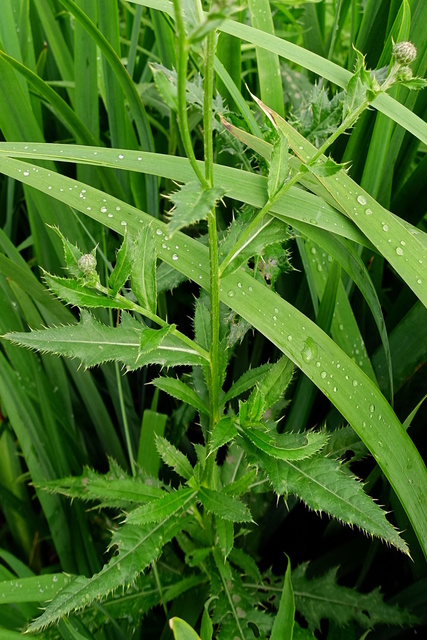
250 289
323 374
399 251
159 232
121 157
26 173
368 212
372 408
103 209
355 383
290 338
361 200
385 227
123 223
309 351
239 284
117 208
174 257
110 215
231 293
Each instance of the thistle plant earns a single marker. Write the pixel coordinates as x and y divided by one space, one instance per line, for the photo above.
189 506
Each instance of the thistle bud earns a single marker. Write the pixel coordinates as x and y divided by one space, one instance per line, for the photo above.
87 264
404 52
404 74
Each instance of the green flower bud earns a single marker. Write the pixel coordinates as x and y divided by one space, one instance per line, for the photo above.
404 52
404 74
87 264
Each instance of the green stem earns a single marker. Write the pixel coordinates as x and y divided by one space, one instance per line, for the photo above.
124 418
182 63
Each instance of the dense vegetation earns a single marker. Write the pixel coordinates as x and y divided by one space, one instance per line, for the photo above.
227 201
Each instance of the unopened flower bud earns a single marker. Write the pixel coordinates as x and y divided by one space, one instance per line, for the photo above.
87 264
404 52
404 74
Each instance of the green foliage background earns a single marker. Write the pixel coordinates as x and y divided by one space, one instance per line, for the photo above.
318 325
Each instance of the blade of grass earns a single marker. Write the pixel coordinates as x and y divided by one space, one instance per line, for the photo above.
269 75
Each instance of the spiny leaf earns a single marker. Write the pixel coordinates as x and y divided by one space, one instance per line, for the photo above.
225 533
322 597
90 341
246 381
123 266
323 486
165 507
237 610
286 446
181 391
137 547
152 339
223 431
77 294
192 203
109 490
275 382
174 458
223 505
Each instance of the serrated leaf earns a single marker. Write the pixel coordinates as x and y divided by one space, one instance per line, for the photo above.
252 410
283 626
223 431
152 339
241 485
192 203
279 165
113 489
77 294
323 486
143 274
286 446
174 458
178 389
72 254
237 610
225 532
170 352
246 381
275 382
90 341
223 505
137 547
359 88
322 597
165 85
123 266
165 507
414 83
324 169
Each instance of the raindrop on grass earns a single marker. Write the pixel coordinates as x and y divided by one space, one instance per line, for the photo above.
368 212
399 251
103 209
231 293
309 351
174 257
361 200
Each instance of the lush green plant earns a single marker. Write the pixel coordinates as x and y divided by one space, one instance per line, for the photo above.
241 424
